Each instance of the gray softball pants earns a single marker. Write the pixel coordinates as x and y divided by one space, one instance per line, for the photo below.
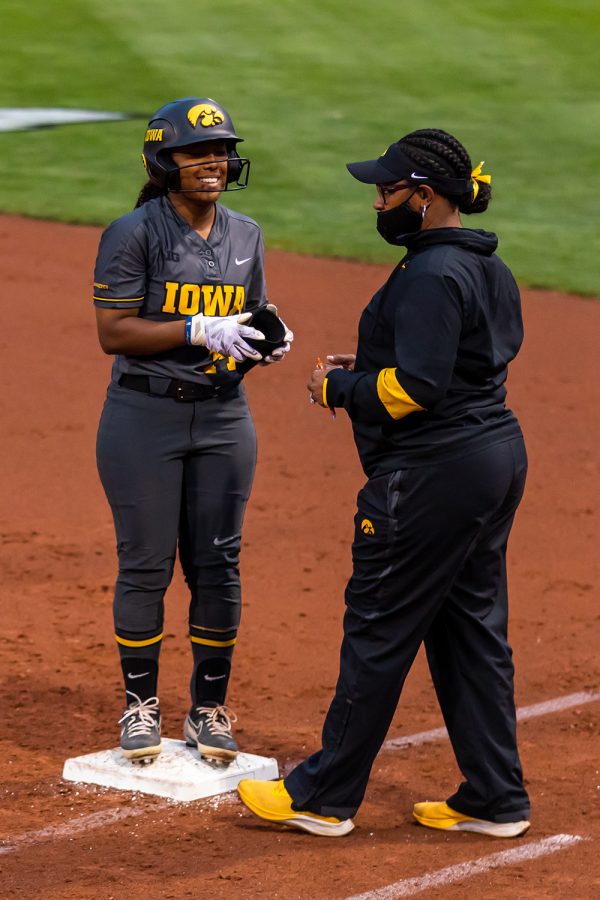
176 475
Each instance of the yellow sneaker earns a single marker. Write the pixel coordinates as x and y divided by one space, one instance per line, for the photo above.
440 815
270 800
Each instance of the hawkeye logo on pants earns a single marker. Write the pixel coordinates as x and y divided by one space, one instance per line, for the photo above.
211 299
366 526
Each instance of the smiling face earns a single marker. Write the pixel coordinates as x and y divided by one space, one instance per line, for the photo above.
203 169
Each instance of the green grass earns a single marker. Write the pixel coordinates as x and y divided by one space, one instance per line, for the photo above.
313 84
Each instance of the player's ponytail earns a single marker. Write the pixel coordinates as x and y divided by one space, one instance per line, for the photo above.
443 155
149 192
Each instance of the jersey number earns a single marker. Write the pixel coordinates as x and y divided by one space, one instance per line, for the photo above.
211 299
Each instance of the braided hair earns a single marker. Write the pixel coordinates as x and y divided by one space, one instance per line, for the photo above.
443 155
149 192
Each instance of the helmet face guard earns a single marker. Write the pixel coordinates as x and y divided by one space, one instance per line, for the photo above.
191 120
238 172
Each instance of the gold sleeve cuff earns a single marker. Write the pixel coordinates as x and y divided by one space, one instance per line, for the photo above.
393 396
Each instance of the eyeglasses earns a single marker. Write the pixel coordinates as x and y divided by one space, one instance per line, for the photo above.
386 190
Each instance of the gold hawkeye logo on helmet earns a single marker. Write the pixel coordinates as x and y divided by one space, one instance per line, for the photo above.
208 115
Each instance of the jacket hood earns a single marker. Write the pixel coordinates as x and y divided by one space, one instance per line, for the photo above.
473 239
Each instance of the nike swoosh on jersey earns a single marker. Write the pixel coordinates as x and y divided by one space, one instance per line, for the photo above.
240 262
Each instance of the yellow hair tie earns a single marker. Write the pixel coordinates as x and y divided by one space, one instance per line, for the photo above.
476 176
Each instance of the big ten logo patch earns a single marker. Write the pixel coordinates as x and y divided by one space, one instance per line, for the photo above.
210 299
366 526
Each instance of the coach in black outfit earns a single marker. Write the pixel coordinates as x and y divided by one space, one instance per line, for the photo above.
446 467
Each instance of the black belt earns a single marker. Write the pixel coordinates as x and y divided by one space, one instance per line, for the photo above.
183 391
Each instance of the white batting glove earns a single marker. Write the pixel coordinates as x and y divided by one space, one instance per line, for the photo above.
279 354
223 334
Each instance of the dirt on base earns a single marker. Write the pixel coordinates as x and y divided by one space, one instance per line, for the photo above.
60 690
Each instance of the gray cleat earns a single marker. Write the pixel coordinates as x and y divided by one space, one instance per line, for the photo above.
208 728
140 734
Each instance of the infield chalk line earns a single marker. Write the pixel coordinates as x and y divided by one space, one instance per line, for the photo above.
410 886
109 816
76 826
525 712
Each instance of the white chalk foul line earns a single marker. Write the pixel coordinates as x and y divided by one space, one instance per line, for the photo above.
98 820
74 827
525 712
410 886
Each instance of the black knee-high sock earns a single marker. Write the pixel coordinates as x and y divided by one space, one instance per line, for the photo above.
140 671
212 654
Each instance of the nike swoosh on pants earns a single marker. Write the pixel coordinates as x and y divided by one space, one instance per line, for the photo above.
218 541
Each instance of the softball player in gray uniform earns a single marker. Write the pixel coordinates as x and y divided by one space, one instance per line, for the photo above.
175 280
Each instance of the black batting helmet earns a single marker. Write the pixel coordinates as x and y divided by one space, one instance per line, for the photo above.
190 120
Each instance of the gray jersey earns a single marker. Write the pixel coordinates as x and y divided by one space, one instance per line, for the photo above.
152 260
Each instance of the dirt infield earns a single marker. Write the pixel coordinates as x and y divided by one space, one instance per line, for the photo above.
60 692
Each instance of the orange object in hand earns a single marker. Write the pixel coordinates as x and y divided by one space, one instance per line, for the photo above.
321 366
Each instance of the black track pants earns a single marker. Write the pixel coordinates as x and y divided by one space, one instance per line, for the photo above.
176 473
429 560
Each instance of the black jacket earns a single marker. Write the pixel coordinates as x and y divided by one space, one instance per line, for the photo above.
433 350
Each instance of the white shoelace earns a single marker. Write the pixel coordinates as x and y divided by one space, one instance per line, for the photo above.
219 719
141 717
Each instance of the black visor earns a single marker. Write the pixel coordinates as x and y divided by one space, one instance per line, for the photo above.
394 165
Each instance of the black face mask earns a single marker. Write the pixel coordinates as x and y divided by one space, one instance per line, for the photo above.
393 223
